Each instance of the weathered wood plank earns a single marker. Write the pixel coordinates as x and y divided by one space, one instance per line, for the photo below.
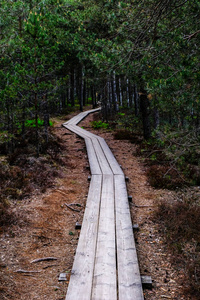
93 161
110 157
80 285
78 118
80 131
105 281
129 281
74 120
105 167
74 129
106 234
85 132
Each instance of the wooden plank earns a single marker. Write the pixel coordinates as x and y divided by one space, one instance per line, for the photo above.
85 132
92 157
78 118
105 167
110 157
86 113
80 285
74 120
129 281
93 161
104 281
79 131
74 130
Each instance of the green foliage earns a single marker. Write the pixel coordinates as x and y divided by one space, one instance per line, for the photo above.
32 123
99 125
174 159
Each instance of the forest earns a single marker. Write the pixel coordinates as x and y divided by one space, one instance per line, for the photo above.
138 60
142 55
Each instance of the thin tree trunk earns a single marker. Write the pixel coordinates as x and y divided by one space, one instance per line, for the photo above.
72 102
130 94
144 107
136 101
120 93
46 119
127 93
80 87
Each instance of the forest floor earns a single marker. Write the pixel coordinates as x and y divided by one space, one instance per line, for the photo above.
45 227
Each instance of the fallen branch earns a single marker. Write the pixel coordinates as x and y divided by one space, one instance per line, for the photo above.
71 207
43 259
141 205
50 266
76 204
26 271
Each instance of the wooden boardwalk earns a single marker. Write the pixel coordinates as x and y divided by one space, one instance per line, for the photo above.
105 265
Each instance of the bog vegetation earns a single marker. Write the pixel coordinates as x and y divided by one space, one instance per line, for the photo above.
138 59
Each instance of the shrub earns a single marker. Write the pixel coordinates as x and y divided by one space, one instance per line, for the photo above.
179 223
123 134
32 123
162 176
99 125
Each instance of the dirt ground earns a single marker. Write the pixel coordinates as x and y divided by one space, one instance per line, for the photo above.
45 228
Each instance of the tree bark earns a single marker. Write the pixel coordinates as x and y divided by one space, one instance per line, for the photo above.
136 101
144 107
72 87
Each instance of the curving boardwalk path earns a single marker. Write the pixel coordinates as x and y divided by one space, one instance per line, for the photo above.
105 265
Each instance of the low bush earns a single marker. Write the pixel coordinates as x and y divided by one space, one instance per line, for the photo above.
22 173
163 176
123 134
179 223
99 125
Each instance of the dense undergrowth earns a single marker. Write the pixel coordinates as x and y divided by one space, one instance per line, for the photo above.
22 173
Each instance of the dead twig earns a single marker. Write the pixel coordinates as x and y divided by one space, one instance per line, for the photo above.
61 192
43 259
188 37
71 207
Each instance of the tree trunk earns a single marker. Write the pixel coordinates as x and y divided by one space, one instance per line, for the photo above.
130 94
72 87
80 87
136 101
144 107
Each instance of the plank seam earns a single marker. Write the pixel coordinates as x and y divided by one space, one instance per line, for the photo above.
121 240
